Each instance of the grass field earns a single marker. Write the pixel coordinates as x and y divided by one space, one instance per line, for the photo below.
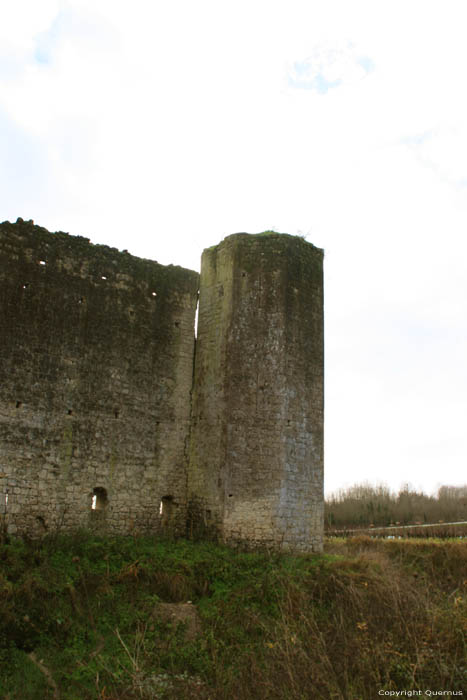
87 617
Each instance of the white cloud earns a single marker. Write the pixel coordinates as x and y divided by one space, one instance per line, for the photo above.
22 20
329 67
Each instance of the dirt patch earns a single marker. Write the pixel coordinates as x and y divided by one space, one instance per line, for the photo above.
180 613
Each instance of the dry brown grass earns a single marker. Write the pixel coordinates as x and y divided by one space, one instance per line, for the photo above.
379 619
369 615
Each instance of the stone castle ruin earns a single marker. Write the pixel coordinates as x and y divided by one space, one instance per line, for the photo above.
114 417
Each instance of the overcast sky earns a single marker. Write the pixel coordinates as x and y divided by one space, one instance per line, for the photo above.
160 126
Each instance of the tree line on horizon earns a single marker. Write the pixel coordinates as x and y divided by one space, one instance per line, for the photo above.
363 505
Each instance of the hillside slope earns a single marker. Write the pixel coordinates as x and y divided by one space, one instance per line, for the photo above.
87 617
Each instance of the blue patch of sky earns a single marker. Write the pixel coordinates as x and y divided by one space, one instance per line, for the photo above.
317 83
322 85
366 63
42 55
301 68
304 79
48 40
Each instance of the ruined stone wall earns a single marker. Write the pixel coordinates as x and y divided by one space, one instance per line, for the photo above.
96 374
256 456
96 363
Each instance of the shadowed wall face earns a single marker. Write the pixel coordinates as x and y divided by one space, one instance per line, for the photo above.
95 380
256 457
96 386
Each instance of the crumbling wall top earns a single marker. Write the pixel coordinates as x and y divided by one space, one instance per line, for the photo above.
82 258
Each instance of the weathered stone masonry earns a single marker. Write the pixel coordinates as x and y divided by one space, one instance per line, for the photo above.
256 461
95 379
101 423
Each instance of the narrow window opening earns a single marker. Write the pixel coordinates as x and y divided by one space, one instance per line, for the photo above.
41 522
70 412
116 413
99 499
230 495
177 324
19 404
196 318
243 274
166 507
6 498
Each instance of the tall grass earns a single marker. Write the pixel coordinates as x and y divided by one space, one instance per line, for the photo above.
86 617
